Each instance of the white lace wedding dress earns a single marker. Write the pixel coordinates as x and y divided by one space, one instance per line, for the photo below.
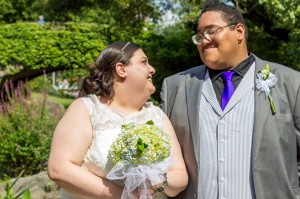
106 125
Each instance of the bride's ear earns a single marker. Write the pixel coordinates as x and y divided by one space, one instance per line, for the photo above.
120 70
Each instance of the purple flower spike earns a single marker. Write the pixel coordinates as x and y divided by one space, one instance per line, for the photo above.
11 84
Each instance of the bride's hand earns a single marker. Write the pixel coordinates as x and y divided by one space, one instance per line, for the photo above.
160 187
146 189
156 186
150 192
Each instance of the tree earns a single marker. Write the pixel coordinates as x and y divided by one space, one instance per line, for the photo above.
30 48
20 10
119 14
276 24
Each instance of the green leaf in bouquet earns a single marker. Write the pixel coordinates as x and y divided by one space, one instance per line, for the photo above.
150 122
141 146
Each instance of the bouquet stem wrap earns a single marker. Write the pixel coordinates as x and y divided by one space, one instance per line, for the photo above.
139 176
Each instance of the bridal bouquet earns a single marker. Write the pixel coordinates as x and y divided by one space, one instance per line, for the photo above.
140 154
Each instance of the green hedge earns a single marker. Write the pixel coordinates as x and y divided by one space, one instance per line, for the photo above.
30 46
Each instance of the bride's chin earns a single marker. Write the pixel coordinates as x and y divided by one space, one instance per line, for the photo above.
152 90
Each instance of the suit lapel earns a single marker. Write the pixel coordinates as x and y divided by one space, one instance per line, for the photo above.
210 95
262 111
193 88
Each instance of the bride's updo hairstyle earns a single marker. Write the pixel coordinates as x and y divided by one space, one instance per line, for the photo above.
102 74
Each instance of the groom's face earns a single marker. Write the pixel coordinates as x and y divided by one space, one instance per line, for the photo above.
220 45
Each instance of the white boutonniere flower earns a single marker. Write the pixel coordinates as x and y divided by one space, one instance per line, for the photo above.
264 82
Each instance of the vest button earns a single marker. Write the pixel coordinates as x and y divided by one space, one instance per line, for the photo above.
222 121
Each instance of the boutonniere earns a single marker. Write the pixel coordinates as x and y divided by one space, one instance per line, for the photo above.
264 82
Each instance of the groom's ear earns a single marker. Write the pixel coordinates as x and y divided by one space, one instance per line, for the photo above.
120 70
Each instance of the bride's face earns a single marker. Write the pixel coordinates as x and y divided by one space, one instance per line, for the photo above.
139 73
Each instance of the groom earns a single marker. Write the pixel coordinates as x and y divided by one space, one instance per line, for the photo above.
235 144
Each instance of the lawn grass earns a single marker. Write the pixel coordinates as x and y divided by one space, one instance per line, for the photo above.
63 101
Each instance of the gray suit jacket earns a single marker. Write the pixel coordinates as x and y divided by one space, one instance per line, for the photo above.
276 138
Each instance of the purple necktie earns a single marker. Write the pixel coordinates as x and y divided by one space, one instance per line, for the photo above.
228 87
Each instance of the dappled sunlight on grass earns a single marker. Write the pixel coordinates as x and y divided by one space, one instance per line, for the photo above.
63 101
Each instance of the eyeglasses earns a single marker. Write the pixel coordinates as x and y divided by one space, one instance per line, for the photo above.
209 34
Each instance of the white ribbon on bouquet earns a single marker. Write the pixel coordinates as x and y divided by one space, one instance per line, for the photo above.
139 176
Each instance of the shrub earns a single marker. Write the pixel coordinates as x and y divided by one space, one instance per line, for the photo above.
26 127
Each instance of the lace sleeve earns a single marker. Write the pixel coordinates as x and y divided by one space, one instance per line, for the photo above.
88 103
91 106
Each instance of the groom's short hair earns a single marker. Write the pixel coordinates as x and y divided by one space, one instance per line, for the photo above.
229 13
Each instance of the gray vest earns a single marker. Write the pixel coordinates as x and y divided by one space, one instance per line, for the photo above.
225 142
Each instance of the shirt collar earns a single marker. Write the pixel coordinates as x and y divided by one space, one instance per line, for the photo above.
241 69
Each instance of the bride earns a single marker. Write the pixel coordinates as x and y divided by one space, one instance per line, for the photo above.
116 93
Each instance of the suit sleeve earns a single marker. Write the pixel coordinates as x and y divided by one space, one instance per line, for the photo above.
296 117
163 96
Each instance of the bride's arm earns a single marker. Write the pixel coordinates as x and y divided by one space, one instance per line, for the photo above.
71 140
177 175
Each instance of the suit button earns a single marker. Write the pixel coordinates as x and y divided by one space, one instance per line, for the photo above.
195 195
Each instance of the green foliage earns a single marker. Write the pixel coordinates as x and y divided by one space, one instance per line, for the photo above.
127 14
48 187
285 13
257 35
25 193
278 24
289 52
19 10
65 102
39 84
31 46
26 127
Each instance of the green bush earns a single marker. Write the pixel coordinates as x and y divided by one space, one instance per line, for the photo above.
32 46
39 84
26 127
